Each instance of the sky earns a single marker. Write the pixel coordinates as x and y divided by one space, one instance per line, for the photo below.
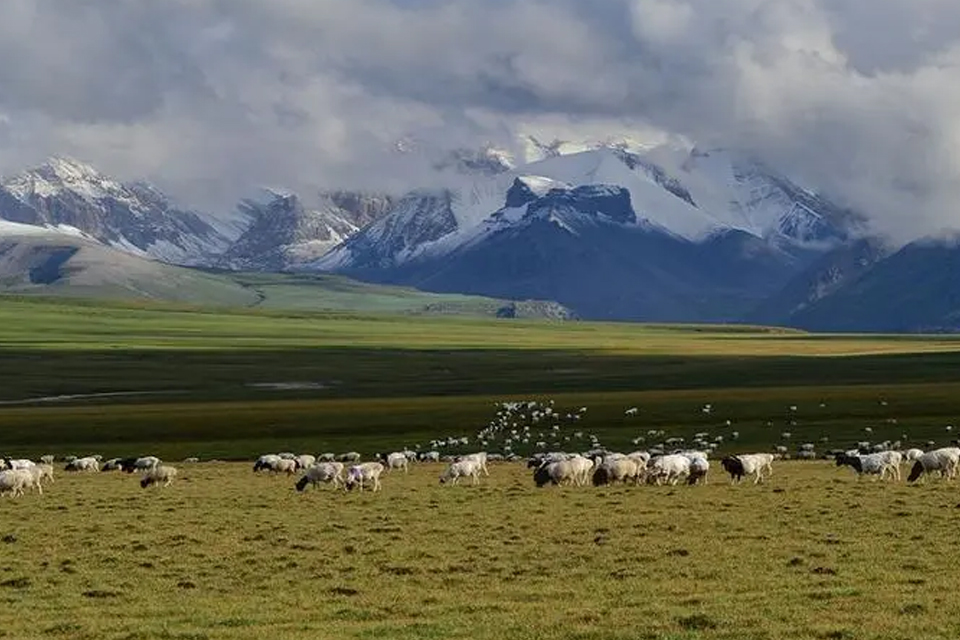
859 99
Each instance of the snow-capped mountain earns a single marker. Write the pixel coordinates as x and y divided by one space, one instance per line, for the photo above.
686 193
135 217
283 234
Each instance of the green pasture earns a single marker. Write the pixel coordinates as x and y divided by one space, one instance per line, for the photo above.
811 554
181 381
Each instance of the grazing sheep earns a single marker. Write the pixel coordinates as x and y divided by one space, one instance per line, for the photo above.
396 460
756 464
157 475
734 466
429 456
368 472
669 468
191 460
13 481
89 463
612 471
350 456
305 461
871 464
559 473
18 464
481 458
893 460
288 466
698 471
266 462
582 466
47 459
327 457
144 463
943 461
466 468
912 455
113 464
322 472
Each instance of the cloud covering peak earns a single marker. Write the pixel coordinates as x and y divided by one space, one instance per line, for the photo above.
857 98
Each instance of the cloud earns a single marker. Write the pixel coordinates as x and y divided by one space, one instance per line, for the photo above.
213 97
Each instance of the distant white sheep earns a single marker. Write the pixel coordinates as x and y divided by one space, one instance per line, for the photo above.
159 476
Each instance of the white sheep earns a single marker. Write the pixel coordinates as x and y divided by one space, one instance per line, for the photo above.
481 459
322 472
669 468
396 460
368 472
560 472
466 468
945 461
13 481
912 455
89 463
305 461
266 462
157 475
614 470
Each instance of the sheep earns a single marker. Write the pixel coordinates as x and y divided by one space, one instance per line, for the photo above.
581 467
870 464
89 463
113 464
698 471
47 459
734 466
157 475
322 472
945 461
191 460
559 473
13 481
430 456
396 460
757 463
669 468
912 455
350 456
465 468
305 461
265 462
18 464
144 463
893 460
481 458
285 465
611 471
35 476
361 473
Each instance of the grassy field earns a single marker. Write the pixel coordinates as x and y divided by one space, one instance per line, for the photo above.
178 381
811 554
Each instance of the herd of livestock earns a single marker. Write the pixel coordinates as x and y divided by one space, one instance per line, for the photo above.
598 467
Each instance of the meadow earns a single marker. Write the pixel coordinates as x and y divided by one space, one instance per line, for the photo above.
222 553
121 379
813 553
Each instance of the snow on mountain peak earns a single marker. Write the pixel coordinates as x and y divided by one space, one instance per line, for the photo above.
60 174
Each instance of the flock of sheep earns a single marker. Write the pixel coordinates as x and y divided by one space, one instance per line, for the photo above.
598 467
19 475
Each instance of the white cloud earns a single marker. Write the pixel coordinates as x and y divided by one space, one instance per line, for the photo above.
212 97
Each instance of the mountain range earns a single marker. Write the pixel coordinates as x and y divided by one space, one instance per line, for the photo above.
609 231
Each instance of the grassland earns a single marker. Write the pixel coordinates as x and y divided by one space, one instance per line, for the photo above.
812 554
116 378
